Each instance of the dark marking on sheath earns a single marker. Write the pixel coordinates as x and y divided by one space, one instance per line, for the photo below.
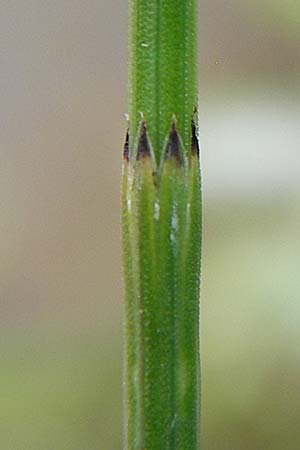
195 143
173 146
143 149
126 147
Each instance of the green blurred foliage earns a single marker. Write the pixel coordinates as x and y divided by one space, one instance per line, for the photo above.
59 392
63 391
287 13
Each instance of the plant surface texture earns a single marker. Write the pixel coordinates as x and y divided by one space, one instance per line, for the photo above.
161 229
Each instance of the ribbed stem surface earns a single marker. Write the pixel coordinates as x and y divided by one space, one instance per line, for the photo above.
162 67
161 229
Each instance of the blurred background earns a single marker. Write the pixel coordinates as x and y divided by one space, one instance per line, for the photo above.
63 98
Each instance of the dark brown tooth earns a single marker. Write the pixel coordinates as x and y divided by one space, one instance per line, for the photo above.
126 146
143 149
172 149
195 143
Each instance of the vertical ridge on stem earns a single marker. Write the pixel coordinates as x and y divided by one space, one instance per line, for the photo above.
161 229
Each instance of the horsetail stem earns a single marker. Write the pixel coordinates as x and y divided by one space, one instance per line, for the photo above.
161 229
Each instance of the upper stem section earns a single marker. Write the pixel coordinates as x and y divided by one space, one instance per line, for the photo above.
162 69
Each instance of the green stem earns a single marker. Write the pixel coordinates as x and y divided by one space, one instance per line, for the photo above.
162 67
161 229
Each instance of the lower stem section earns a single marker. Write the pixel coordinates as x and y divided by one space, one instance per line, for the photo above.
161 224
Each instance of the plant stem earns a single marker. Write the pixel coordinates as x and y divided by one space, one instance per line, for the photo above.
162 67
161 229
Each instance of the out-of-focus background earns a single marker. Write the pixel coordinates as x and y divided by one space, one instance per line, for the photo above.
63 99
